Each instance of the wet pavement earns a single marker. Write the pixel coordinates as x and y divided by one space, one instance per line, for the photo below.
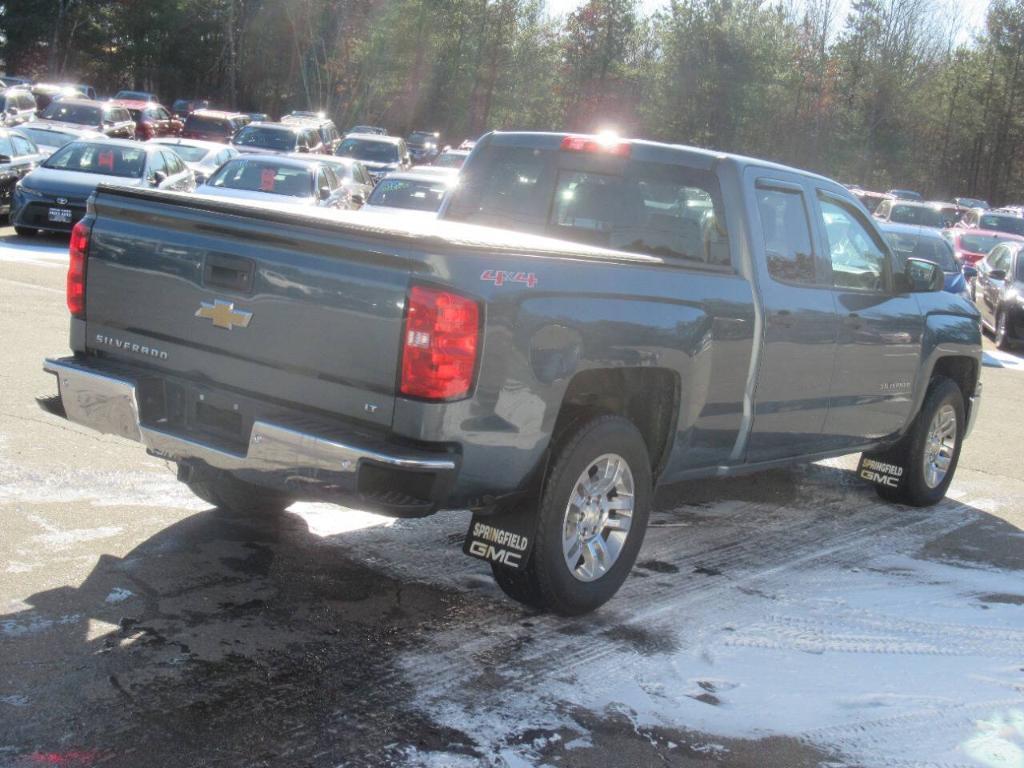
787 619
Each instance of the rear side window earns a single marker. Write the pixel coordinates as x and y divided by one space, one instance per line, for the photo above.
787 235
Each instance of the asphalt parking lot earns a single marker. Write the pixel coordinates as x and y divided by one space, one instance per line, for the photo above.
782 620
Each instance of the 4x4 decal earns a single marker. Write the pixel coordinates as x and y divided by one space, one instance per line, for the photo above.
499 277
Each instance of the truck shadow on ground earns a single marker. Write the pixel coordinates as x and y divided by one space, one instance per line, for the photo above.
224 641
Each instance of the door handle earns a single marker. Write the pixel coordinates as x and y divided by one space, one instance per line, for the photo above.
783 318
853 320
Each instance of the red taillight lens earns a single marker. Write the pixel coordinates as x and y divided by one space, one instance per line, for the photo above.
78 253
442 333
596 146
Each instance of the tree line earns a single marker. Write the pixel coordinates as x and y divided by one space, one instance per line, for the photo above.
886 93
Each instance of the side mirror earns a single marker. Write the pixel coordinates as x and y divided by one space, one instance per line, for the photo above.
159 178
303 149
923 276
325 193
5 159
12 110
970 272
997 274
358 198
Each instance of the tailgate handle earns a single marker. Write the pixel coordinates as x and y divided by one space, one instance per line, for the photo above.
232 272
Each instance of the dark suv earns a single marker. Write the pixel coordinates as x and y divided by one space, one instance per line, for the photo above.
329 136
213 125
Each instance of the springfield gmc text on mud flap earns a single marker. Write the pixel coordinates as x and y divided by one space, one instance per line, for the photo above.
587 319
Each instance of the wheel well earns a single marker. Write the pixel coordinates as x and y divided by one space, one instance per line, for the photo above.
648 397
962 370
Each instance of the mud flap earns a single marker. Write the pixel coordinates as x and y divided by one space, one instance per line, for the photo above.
503 538
880 470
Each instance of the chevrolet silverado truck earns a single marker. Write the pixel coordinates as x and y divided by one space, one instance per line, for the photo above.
587 319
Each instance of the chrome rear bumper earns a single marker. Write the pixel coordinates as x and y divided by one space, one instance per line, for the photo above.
108 403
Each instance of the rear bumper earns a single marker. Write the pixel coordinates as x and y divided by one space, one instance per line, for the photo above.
306 459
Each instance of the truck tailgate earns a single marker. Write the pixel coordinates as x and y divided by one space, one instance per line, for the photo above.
217 293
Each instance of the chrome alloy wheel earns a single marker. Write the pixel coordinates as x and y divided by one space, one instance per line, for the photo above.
598 517
939 446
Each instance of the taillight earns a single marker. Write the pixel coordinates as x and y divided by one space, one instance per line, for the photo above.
597 145
442 333
78 254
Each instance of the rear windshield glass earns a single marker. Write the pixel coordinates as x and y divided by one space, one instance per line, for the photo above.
652 208
265 138
189 154
978 243
450 160
916 214
83 114
370 151
261 176
1010 224
47 138
934 249
407 193
208 124
104 159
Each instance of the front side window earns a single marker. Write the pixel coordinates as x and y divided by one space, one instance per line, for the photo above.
23 146
787 235
858 260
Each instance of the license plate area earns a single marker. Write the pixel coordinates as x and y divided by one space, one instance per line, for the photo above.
59 215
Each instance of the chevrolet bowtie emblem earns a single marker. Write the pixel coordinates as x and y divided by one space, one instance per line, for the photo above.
223 314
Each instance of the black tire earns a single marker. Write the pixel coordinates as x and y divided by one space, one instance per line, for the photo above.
546 580
1000 335
25 231
909 453
237 497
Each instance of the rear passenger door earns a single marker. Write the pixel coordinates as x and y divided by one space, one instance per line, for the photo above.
791 397
879 341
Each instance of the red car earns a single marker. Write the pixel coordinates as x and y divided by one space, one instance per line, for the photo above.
213 125
972 245
152 120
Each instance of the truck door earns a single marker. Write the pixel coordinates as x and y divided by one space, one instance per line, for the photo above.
799 337
879 343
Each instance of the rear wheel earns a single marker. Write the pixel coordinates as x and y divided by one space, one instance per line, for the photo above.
931 450
25 231
591 520
237 497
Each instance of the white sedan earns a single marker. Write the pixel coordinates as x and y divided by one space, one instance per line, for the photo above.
276 179
203 157
410 194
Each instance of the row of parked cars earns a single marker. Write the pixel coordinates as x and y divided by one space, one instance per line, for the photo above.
978 248
48 169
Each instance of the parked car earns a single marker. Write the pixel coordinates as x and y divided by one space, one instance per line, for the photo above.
277 138
17 106
49 137
972 245
8 81
436 171
424 146
870 200
135 96
905 194
380 154
374 129
911 241
906 212
213 125
182 108
52 197
451 158
203 157
18 156
408 193
257 117
329 136
547 384
979 218
354 178
999 293
85 90
152 120
966 203
47 93
109 119
948 211
277 180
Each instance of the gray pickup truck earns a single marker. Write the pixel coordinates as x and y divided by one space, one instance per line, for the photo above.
589 318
